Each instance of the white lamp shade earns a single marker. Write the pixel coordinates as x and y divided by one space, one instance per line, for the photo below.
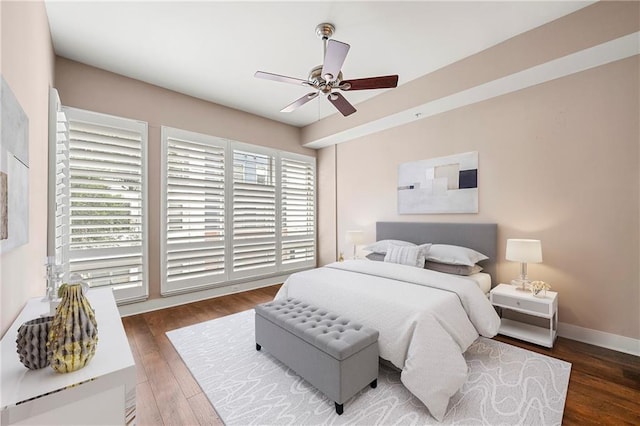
355 237
527 251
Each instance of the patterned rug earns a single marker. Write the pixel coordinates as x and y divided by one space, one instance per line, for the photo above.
506 385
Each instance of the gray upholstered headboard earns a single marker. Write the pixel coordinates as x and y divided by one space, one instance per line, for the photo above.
481 237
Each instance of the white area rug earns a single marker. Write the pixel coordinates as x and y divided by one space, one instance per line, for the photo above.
506 385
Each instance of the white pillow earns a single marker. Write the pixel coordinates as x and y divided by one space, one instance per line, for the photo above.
406 255
454 255
383 245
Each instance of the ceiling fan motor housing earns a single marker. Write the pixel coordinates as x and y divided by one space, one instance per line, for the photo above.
316 79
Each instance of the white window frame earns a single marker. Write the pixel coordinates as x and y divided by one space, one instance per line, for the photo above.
167 286
310 263
140 292
260 150
230 276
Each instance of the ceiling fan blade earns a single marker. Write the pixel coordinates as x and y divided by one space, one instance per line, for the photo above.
382 82
299 102
333 59
341 104
280 78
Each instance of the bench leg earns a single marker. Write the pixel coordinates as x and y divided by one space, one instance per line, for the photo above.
339 409
258 347
374 384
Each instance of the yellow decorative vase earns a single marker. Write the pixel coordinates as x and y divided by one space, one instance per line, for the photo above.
73 335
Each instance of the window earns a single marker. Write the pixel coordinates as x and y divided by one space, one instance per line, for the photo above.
233 211
298 212
254 212
193 250
105 193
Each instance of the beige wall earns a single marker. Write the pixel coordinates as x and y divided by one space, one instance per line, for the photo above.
558 162
90 88
27 66
326 186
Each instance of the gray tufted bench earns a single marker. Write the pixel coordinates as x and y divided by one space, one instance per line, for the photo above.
337 356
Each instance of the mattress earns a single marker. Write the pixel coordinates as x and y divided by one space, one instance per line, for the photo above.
483 280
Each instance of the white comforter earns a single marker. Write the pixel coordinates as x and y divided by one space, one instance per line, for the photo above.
423 330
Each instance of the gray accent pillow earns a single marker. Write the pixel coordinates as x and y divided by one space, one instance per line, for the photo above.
454 255
375 256
452 269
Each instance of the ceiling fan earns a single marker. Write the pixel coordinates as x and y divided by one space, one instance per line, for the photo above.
327 78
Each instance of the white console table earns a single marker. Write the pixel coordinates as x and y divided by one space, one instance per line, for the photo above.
103 392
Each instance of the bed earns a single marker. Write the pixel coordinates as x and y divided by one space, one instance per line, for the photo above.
426 319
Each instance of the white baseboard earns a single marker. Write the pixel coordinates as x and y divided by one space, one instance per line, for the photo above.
600 338
181 299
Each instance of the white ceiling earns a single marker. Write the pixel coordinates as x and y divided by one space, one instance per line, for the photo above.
211 49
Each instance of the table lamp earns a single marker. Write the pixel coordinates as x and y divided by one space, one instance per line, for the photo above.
355 238
523 251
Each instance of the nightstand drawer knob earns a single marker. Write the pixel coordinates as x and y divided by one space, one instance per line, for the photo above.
518 303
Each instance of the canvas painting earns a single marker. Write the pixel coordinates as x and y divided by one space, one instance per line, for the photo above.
439 185
14 171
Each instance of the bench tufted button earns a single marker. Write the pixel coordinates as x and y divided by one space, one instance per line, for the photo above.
341 330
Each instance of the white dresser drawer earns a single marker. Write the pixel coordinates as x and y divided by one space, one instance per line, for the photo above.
528 305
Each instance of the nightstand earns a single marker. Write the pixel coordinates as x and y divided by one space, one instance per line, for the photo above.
506 296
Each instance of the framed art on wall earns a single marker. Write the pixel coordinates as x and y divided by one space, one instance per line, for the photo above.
14 171
439 185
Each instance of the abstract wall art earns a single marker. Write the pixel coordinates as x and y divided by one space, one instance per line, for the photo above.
14 171
439 185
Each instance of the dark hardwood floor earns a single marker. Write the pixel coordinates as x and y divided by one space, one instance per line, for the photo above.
604 387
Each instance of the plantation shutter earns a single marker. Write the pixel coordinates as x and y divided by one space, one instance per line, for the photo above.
298 212
61 209
193 249
107 202
254 212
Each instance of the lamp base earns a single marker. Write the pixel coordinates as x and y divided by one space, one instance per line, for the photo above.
520 284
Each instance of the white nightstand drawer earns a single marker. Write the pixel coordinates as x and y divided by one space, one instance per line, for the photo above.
506 296
521 304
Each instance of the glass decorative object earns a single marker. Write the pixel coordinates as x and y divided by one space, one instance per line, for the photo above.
74 333
539 288
53 278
